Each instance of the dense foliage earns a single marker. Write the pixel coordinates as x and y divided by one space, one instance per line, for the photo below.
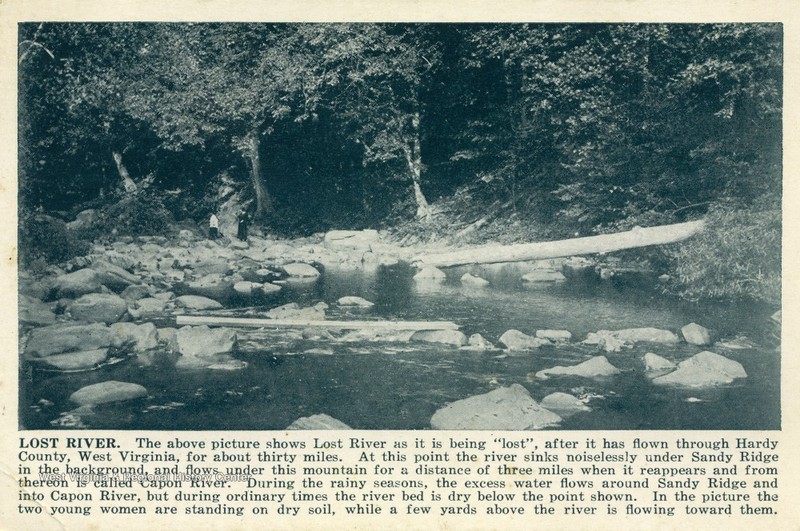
749 239
560 128
44 240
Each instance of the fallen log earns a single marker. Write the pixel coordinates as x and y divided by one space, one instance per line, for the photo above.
246 322
604 243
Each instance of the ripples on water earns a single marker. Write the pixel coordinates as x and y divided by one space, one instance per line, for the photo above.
392 385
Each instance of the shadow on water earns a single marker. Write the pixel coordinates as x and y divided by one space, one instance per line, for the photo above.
385 385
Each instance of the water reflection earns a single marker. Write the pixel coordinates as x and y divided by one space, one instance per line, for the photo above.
386 383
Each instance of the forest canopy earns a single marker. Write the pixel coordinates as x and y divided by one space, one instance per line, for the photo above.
564 127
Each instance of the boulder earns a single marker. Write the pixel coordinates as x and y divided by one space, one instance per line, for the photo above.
266 288
99 308
37 289
446 337
430 274
196 302
300 270
75 361
81 282
478 342
355 301
605 339
277 250
578 268
651 335
655 365
694 334
110 391
33 312
556 336
294 311
150 307
318 422
141 337
245 287
507 408
186 235
202 341
135 292
165 335
614 340
114 277
265 273
126 260
211 266
544 275
382 335
213 285
514 340
597 366
471 280
705 369
59 338
563 404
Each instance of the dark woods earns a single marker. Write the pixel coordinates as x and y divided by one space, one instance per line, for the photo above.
543 129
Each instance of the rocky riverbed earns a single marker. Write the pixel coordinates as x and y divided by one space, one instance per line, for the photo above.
119 303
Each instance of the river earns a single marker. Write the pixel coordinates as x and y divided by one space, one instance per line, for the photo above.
399 385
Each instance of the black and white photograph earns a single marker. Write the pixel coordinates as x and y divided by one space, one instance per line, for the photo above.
399 226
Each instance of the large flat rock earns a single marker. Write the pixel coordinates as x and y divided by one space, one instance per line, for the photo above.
202 341
455 338
33 312
110 391
75 361
114 277
516 341
300 270
614 340
357 302
294 311
595 367
343 240
60 338
507 408
78 283
563 404
150 307
197 302
318 422
705 369
99 307
140 337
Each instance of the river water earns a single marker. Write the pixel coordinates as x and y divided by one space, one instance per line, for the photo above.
399 385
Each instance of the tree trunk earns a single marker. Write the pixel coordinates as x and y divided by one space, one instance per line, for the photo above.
605 243
414 161
127 183
264 204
